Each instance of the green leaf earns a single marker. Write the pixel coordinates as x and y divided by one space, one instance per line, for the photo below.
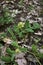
40 55
1 20
36 40
12 58
6 59
34 48
6 18
9 51
42 46
11 33
23 49
15 44
36 26
29 30
20 34
16 29
27 25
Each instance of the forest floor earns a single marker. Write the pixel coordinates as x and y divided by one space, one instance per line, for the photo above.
21 11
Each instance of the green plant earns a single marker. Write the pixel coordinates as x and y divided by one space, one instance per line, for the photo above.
22 29
6 58
18 29
15 44
36 26
2 35
36 40
36 52
34 48
28 27
6 17
11 53
11 33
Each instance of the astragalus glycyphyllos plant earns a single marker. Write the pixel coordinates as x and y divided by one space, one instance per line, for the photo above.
6 17
23 29
11 53
20 31
36 52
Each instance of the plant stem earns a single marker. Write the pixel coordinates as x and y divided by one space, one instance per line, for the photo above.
35 57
